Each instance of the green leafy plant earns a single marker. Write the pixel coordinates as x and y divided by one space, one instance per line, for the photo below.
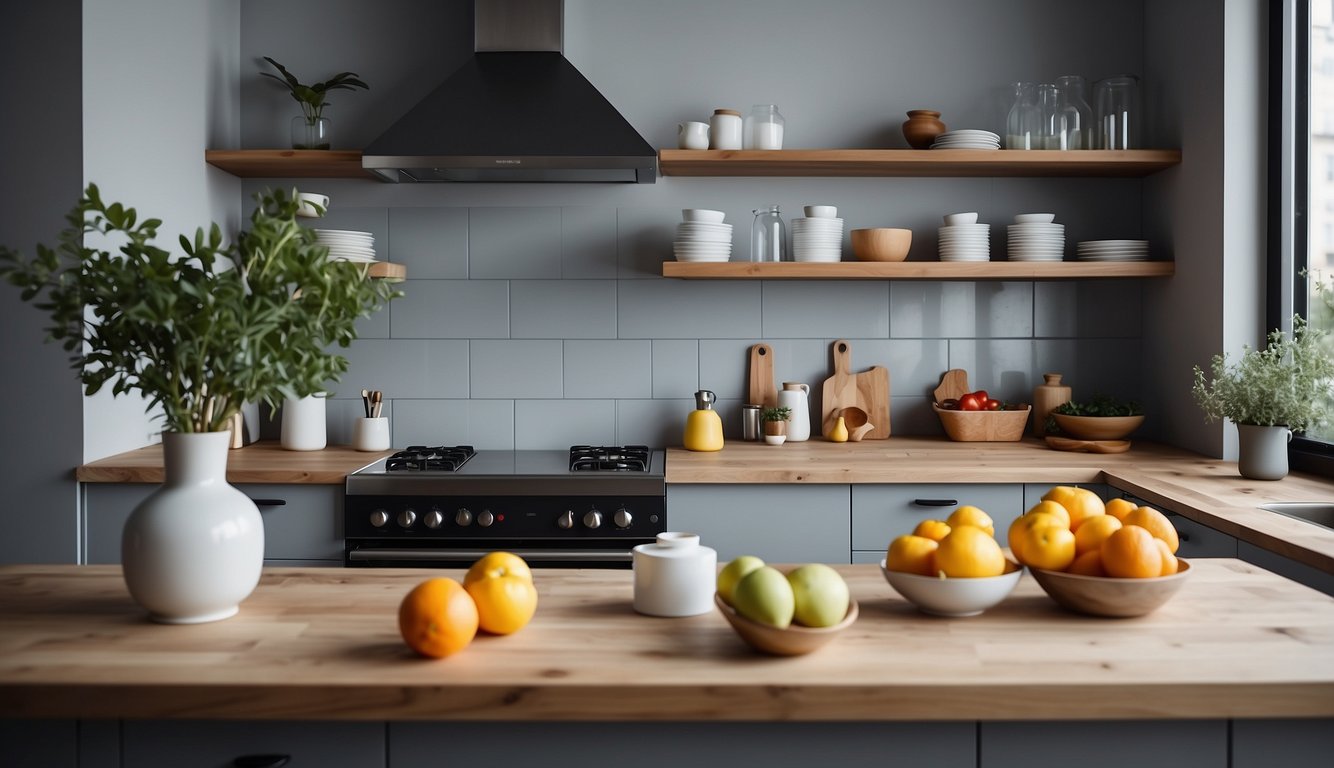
1288 383
229 323
781 413
312 97
1102 405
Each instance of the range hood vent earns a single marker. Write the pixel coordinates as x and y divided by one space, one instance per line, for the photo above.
517 111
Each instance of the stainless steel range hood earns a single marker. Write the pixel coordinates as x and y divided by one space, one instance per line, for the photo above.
517 111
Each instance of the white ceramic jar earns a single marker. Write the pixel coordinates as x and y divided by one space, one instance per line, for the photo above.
797 397
675 576
725 129
303 423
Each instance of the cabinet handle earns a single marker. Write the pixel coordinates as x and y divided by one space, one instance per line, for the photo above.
270 502
936 502
261 761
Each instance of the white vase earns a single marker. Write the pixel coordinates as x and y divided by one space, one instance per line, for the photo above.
1262 452
193 550
796 396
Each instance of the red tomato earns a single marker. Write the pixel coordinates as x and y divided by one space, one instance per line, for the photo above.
971 402
993 404
982 395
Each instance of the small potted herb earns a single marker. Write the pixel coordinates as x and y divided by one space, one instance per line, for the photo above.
775 424
311 130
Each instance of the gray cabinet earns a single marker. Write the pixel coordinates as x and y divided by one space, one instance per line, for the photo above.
1298 572
303 524
882 513
39 743
1104 744
217 744
778 523
1289 743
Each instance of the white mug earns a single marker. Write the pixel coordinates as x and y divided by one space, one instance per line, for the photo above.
692 135
371 434
675 576
308 202
303 423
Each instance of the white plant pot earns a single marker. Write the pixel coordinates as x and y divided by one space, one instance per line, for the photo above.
303 425
193 550
1262 452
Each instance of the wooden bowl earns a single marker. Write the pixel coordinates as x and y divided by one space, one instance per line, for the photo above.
1107 596
881 244
953 597
983 426
793 641
1098 427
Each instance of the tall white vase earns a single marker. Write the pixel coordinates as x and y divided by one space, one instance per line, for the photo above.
1262 452
193 550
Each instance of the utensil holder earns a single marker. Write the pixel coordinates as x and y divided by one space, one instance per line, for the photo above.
371 434
303 423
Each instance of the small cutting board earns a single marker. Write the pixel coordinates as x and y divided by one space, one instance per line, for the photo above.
1088 446
868 390
761 381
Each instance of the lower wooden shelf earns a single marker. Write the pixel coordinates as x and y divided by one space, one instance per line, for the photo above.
387 270
914 270
289 163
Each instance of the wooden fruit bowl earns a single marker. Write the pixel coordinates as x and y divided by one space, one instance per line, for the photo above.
976 426
1108 596
793 641
1097 427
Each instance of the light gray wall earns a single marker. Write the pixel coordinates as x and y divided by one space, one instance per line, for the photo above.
536 316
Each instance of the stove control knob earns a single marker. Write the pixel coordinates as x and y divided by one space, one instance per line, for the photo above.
566 519
623 518
593 519
434 519
485 518
379 518
463 518
406 518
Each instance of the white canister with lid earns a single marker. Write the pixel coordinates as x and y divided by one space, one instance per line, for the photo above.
675 576
725 129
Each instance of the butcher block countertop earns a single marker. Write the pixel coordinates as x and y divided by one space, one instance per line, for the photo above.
263 462
1236 641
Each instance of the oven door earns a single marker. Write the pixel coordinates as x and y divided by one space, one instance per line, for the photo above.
371 553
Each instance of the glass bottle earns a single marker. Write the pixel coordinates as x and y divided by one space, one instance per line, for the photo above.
1023 122
1117 109
1073 88
768 235
764 128
1058 117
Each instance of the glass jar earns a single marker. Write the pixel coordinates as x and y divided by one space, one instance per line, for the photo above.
764 127
1058 117
768 235
310 133
1117 109
1073 88
1023 123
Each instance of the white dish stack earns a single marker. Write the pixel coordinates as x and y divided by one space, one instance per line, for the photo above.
817 238
1036 237
702 236
967 139
1113 250
963 239
347 244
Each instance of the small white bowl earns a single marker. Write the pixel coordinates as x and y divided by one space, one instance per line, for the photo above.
1035 218
775 439
821 211
955 219
953 597
702 214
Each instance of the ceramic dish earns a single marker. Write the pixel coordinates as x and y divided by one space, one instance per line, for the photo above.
1098 427
953 597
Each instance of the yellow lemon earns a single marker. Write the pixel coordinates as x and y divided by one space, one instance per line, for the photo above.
969 552
1050 547
1091 534
1081 503
932 529
912 554
970 515
1119 508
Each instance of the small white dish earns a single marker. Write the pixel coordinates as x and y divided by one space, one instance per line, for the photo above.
702 215
821 211
956 597
955 219
775 439
1034 218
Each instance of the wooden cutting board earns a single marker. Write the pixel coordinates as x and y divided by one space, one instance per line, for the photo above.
1088 446
868 390
761 381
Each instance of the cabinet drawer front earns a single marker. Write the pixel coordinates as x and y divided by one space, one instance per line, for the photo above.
778 523
1199 540
307 525
880 513
151 744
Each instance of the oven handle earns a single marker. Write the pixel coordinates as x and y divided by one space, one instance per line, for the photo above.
531 555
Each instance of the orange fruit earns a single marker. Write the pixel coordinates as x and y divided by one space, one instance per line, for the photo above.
1088 564
1156 523
1051 508
1091 534
1130 553
1033 519
912 554
969 553
1118 508
437 618
505 604
498 564
1170 564
1050 547
970 515
932 529
1081 503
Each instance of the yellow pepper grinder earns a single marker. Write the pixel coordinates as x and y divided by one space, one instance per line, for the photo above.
839 433
704 428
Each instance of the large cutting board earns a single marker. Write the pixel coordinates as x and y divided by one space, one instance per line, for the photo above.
761 382
868 390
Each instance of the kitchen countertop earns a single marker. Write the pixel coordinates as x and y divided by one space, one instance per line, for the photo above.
263 462
1236 641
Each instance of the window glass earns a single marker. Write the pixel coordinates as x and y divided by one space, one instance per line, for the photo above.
1319 282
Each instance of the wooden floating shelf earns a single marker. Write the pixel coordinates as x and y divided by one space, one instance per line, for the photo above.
387 270
914 270
289 163
914 162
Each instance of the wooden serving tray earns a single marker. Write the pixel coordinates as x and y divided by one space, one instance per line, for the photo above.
1088 446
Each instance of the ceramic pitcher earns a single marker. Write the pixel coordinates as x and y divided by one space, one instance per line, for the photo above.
796 396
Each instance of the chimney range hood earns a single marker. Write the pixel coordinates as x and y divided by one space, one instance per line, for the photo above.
517 111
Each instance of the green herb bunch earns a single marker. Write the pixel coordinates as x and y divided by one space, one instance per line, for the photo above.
229 323
1288 383
781 413
1102 405
312 97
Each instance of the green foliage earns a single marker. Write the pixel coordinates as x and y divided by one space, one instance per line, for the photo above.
312 97
1102 405
228 323
780 413
1285 384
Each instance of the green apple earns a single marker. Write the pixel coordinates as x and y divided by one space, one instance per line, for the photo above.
764 595
732 573
820 595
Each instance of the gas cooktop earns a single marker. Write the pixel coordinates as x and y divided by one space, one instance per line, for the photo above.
581 469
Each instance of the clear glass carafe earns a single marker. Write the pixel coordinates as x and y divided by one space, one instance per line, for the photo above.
1118 112
1024 122
1058 117
1073 88
768 235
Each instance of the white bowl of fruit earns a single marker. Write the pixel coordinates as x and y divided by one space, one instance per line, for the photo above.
952 567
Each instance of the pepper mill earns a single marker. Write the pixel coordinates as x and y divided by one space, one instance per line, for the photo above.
1047 396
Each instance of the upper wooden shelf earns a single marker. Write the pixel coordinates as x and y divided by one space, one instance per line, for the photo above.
915 270
289 163
913 162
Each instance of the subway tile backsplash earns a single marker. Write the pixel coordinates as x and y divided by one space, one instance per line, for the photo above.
543 326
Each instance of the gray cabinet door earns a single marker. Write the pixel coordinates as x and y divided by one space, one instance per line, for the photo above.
217 744
1104 744
1287 743
1298 572
39 743
778 523
882 513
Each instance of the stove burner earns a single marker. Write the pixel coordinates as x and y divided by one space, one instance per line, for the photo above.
421 458
629 458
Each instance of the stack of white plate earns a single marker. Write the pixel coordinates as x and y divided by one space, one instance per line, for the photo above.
1113 250
703 241
967 139
1035 237
965 242
347 245
817 239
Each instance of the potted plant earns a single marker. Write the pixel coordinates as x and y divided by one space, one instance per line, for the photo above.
197 335
1268 394
311 130
775 424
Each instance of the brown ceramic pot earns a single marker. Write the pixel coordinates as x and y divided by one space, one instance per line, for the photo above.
922 127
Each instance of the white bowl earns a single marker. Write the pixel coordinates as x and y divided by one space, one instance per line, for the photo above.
821 211
953 597
1035 218
702 214
955 219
